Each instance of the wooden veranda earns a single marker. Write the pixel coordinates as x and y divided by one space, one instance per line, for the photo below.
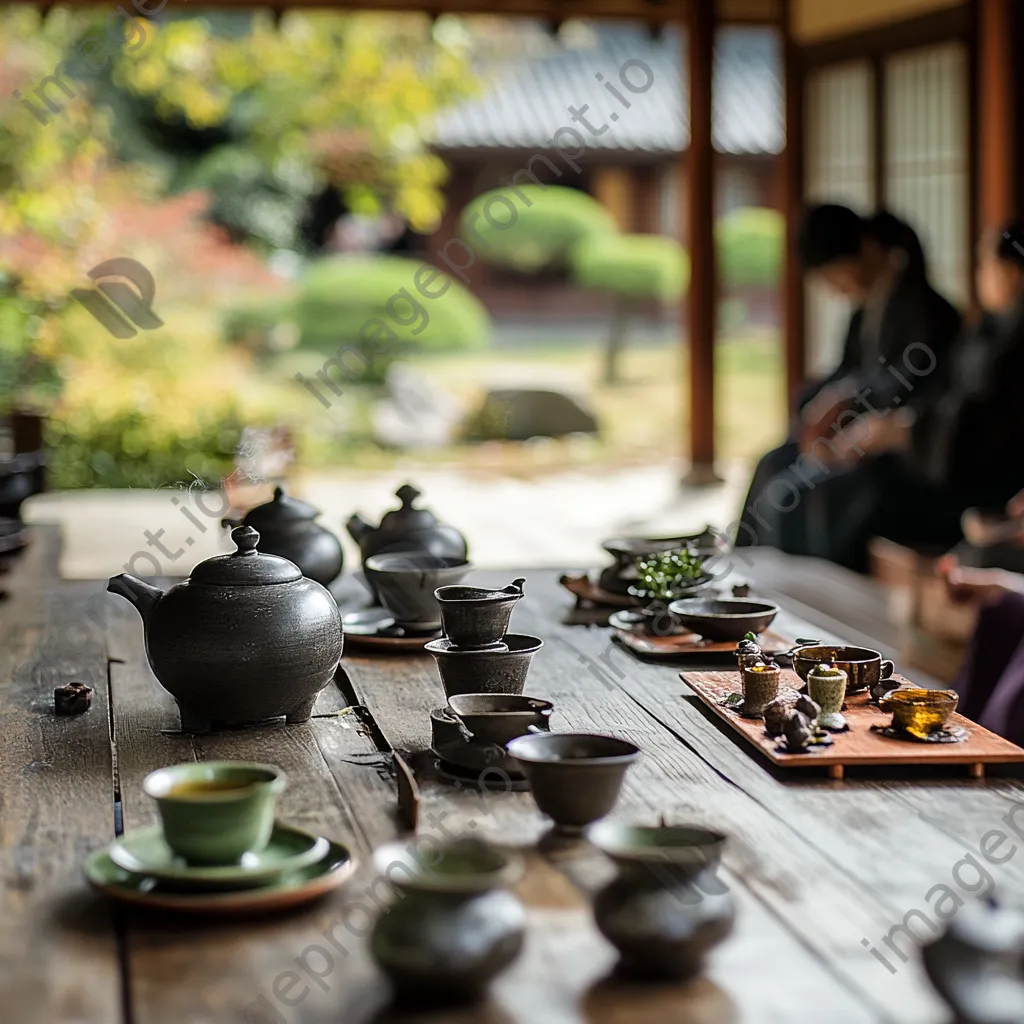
866 81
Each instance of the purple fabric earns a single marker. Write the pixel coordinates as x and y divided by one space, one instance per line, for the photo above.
991 683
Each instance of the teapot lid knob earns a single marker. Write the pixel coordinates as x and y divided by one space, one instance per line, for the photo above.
278 493
245 538
407 494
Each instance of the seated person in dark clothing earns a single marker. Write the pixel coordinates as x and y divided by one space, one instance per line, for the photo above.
894 357
991 680
918 470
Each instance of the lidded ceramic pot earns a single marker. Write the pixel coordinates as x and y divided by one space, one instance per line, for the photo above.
245 638
408 529
287 528
455 926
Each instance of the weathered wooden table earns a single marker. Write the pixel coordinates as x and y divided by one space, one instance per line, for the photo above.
820 870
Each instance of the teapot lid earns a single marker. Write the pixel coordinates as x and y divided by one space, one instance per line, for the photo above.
407 517
245 567
282 509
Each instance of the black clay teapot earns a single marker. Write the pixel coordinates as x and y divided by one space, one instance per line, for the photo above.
287 528
245 638
408 529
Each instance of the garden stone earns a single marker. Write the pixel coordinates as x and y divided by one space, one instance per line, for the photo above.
517 414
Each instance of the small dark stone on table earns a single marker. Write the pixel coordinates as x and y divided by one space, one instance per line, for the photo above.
73 699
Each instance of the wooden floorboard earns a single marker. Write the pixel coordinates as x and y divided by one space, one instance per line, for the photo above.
59 957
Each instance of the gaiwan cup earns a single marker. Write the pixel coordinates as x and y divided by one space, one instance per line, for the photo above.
918 711
575 778
213 812
405 581
494 670
476 617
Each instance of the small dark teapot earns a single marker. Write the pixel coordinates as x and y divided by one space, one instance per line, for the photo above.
407 529
246 637
286 528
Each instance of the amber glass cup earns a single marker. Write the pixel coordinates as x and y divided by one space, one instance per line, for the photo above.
920 712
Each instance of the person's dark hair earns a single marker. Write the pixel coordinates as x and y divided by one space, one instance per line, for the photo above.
890 232
1010 243
828 233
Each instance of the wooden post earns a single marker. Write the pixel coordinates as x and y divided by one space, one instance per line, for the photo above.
792 202
701 301
995 114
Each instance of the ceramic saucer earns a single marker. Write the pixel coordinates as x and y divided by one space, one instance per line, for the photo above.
289 890
145 852
374 627
488 781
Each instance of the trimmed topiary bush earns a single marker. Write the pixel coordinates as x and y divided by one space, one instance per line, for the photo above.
750 247
374 302
532 227
631 268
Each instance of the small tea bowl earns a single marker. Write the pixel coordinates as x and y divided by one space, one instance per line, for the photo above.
477 617
500 718
575 778
213 812
453 743
667 908
464 670
760 688
920 712
405 581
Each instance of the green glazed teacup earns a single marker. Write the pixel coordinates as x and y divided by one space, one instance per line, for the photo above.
213 812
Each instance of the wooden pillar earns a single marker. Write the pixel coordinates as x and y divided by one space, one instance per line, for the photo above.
996 136
701 301
791 167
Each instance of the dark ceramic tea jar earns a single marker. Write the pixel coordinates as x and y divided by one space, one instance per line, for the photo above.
667 908
287 527
408 529
246 637
455 927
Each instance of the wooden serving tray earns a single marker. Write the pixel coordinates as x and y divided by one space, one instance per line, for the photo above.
586 591
860 745
692 647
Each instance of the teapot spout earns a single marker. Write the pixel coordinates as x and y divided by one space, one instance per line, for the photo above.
515 587
142 595
357 528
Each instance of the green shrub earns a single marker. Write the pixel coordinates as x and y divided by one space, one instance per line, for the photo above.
633 266
252 326
750 245
548 223
339 297
133 449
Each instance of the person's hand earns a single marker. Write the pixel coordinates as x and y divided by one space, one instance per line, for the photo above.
819 414
977 586
1015 506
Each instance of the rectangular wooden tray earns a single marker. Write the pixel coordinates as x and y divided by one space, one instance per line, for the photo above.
859 746
690 647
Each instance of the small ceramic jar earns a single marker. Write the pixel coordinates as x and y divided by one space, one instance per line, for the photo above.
455 925
760 688
826 686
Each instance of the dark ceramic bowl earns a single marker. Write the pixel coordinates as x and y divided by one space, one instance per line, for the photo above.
477 617
575 778
500 718
724 620
485 671
405 581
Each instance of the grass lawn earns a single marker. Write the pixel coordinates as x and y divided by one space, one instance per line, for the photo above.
643 420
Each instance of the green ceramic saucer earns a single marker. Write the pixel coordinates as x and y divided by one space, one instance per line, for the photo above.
289 890
145 852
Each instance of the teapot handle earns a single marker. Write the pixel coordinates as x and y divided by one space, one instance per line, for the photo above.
230 524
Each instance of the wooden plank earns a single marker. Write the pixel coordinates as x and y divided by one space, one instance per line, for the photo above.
859 746
59 957
339 785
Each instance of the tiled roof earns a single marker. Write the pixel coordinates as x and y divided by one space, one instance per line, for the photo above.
524 102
